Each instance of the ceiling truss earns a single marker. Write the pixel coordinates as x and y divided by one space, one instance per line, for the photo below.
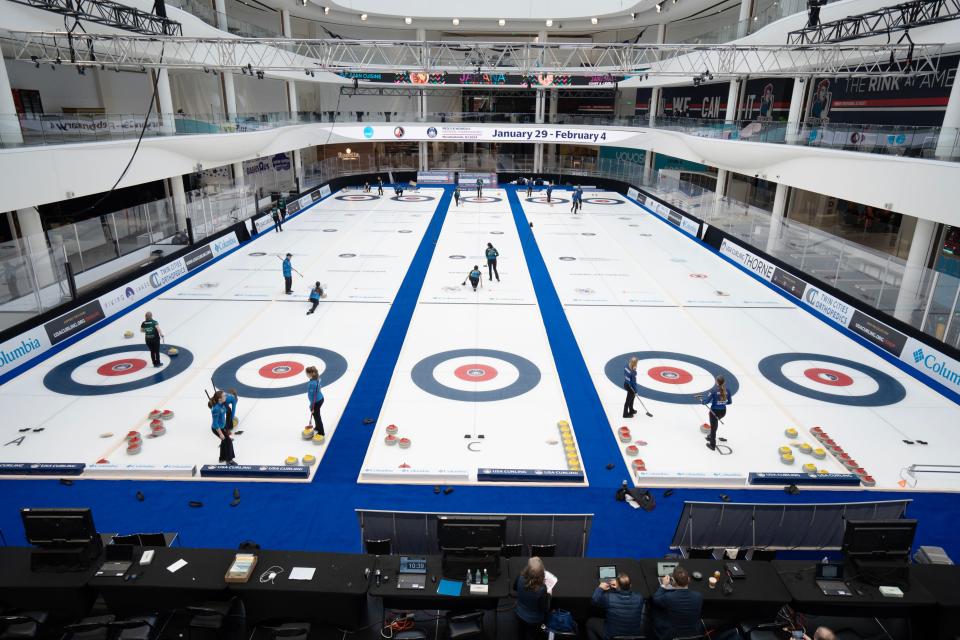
529 59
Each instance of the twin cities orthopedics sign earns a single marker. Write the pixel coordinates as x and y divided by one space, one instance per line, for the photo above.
487 133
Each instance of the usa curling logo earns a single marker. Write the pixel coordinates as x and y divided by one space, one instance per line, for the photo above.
918 356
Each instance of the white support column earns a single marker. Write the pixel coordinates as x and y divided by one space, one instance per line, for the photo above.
165 98
796 109
949 138
746 13
221 8
917 259
655 92
35 246
9 122
423 147
729 116
292 104
776 216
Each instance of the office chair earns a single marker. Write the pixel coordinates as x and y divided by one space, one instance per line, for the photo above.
215 618
91 628
26 625
629 638
511 550
285 631
135 628
378 547
543 550
465 625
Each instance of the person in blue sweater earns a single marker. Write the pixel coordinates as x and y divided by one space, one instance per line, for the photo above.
623 608
630 384
288 274
549 193
718 399
218 411
577 200
676 609
475 276
315 398
230 401
533 601
315 294
492 255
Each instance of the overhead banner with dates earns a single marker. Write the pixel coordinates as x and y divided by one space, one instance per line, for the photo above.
540 80
492 132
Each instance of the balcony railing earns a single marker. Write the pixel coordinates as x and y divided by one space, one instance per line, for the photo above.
942 143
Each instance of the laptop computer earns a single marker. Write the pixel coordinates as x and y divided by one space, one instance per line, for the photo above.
666 568
608 574
413 573
117 559
830 579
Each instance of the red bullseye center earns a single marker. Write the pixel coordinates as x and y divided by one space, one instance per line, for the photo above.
281 369
476 372
122 367
670 375
829 377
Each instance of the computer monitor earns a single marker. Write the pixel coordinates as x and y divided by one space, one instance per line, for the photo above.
459 533
881 539
59 527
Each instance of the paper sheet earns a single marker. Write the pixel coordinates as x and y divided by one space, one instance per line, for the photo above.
302 573
550 580
176 566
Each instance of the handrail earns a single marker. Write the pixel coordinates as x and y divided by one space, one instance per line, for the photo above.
942 143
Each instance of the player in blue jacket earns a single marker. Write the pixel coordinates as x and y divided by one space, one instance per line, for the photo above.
230 401
492 254
218 411
288 274
718 399
577 200
475 276
315 398
630 384
315 294
549 193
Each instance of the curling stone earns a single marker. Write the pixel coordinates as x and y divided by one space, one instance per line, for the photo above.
784 451
787 458
307 433
819 453
128 334
809 468
805 448
639 465
390 440
166 415
633 451
704 428
172 352
134 447
291 460
404 443
155 414
392 429
868 481
308 460
156 423
317 439
791 433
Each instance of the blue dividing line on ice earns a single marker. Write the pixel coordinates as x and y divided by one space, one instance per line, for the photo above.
349 446
594 437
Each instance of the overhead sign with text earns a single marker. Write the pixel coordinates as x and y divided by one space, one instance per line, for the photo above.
492 132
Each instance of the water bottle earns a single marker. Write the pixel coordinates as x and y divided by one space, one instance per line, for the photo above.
476 577
486 577
469 577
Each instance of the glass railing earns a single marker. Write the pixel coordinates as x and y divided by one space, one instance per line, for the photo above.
777 10
940 143
103 248
213 18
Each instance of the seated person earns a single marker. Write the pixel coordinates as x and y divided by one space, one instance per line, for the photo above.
532 599
624 611
676 609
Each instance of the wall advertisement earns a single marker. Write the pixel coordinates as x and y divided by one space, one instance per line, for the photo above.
673 217
930 362
263 223
29 345
324 190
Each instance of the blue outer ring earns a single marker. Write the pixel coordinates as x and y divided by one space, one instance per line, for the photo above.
889 390
543 200
358 197
487 199
603 204
422 375
225 377
60 378
614 371
419 198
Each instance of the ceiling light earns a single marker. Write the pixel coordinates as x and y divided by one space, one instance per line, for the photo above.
326 10
659 4
363 17
549 23
594 20
408 20
633 16
501 22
